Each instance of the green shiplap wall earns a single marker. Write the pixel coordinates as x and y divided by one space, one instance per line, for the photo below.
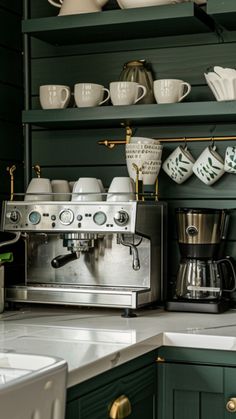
11 95
75 152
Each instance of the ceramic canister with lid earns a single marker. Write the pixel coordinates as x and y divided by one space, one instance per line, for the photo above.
139 72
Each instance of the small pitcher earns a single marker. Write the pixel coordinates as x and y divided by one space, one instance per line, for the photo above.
72 7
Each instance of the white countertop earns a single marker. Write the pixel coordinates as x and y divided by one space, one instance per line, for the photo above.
95 340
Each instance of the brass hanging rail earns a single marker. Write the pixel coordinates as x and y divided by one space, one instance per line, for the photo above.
112 143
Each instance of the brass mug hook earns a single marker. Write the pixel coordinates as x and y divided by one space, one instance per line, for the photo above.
212 142
11 170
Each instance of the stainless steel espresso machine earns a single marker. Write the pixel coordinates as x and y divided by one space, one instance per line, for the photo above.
205 276
106 254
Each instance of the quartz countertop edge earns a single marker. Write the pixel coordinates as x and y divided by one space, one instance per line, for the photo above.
95 341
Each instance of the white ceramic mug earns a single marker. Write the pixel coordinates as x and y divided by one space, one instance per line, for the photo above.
90 94
230 159
126 92
209 167
150 171
179 164
87 189
40 188
170 90
121 189
54 96
61 189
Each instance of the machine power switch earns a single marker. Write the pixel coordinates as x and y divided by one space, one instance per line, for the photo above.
121 218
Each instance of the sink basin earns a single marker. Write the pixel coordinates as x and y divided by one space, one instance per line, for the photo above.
32 386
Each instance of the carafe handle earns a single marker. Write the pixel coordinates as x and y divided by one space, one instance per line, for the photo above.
229 260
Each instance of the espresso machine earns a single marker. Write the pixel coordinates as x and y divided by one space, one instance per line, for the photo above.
205 276
104 254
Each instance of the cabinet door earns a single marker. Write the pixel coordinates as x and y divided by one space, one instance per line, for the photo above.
190 392
138 387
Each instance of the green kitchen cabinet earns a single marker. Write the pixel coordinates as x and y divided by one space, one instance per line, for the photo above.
131 385
196 391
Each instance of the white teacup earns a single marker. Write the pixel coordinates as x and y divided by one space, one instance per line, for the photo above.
61 189
90 94
87 189
209 167
39 189
179 164
230 159
121 189
72 184
170 90
54 96
126 92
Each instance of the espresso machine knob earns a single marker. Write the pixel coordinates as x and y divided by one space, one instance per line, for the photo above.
13 216
121 218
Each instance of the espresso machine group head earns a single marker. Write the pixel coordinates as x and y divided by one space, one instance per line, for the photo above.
105 254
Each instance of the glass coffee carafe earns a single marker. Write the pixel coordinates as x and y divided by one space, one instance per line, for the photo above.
205 279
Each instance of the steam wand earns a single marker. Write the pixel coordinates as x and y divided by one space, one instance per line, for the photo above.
134 251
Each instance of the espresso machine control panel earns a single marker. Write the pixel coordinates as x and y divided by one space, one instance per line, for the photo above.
114 217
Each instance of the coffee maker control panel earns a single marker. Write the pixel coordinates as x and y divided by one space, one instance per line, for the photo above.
114 217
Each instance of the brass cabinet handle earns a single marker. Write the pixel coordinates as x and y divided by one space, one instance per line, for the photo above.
231 405
121 408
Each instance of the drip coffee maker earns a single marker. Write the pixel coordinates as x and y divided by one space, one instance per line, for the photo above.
205 276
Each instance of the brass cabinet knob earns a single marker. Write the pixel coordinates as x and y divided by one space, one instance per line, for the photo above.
121 408
231 405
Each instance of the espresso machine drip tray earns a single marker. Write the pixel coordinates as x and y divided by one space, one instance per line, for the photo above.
115 297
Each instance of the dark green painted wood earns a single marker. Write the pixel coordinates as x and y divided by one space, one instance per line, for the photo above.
137 115
10 26
184 62
112 375
223 12
198 356
11 103
139 387
120 24
11 95
72 410
191 391
12 61
15 6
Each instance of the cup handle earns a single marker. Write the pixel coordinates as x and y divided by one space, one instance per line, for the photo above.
54 3
67 95
108 96
188 90
144 89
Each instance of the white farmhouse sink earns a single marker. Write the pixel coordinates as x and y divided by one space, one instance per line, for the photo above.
32 386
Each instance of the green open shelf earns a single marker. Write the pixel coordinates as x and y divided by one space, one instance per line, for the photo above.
224 12
113 25
113 116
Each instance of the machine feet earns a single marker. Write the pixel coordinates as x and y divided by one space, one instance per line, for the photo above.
128 312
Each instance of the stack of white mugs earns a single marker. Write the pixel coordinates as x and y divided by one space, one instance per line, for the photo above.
143 159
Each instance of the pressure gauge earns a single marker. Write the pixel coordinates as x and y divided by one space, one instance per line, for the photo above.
66 217
34 217
100 218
